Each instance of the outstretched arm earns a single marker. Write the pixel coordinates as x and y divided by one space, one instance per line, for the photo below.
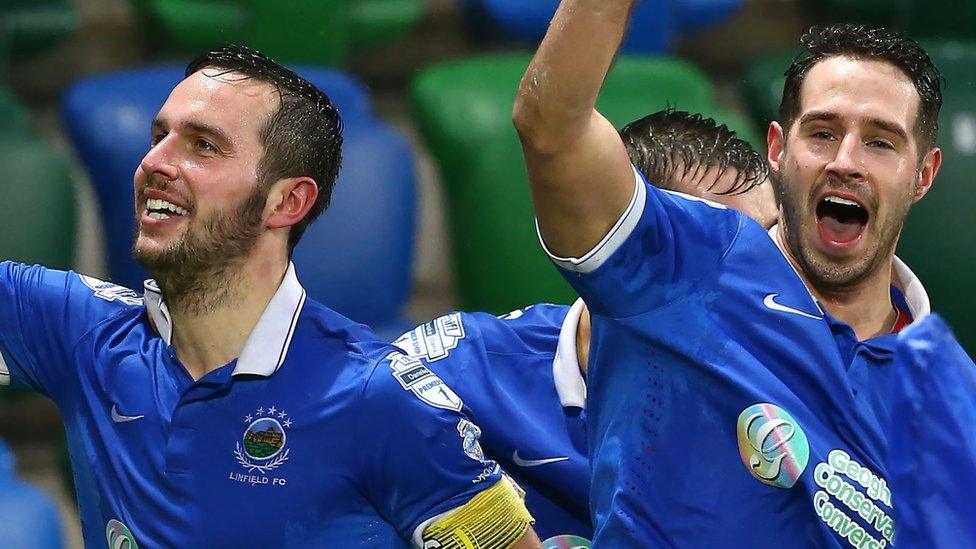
581 176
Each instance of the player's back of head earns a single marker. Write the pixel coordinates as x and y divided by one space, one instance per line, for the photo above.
693 154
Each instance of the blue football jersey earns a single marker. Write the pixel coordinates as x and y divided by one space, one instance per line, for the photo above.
318 435
933 439
725 408
520 381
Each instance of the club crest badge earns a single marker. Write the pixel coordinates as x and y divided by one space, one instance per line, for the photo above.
263 446
119 536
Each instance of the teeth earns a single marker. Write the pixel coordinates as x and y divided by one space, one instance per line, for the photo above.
158 215
159 204
841 201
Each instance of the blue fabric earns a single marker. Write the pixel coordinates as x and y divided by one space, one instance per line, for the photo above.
933 438
724 409
502 368
352 443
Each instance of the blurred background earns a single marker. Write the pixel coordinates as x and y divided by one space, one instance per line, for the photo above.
431 211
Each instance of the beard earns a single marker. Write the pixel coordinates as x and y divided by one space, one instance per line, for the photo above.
828 273
195 272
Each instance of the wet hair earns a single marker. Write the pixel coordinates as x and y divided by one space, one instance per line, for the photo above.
302 139
669 145
863 42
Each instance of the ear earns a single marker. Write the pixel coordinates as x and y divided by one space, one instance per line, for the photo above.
289 201
930 168
775 143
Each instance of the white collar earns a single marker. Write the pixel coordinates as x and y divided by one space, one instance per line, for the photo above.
570 385
266 347
901 277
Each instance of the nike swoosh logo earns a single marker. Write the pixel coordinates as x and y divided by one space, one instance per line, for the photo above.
535 462
119 418
770 302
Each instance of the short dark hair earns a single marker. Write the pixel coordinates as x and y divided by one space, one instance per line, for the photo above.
662 143
303 138
865 42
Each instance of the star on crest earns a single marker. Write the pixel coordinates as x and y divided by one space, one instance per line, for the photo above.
248 418
260 411
287 423
272 410
282 415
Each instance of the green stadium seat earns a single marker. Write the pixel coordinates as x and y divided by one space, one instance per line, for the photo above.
37 204
464 113
321 32
14 118
31 26
939 240
918 18
762 87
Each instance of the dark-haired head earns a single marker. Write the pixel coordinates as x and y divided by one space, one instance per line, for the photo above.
692 154
302 139
863 42
670 145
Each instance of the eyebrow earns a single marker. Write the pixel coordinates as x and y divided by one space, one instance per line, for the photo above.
197 127
885 125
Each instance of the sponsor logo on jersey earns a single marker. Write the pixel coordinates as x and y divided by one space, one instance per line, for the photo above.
772 445
111 292
263 447
433 340
841 499
119 536
413 376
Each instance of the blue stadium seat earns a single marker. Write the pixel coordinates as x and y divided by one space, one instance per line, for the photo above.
527 21
356 258
695 15
30 520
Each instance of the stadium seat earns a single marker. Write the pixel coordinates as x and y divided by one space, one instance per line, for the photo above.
31 26
357 257
37 213
30 519
915 17
762 87
938 239
14 118
695 15
321 32
108 118
464 110
527 21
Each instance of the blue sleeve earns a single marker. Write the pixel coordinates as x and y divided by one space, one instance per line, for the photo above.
660 247
420 455
932 444
43 314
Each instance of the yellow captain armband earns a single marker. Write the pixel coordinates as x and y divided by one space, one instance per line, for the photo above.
494 519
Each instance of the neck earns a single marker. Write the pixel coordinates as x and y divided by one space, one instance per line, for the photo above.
214 313
865 306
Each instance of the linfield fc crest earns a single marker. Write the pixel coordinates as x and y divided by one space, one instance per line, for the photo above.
772 445
263 446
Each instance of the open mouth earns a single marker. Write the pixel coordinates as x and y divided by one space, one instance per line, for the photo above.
841 220
161 209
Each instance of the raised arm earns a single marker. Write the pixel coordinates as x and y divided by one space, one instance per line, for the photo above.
581 177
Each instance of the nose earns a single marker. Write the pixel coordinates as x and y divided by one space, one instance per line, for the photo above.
159 161
847 163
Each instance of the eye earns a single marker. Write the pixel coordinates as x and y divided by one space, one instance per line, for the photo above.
822 134
881 144
206 146
155 139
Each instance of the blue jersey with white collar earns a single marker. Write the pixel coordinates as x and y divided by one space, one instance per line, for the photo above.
725 408
933 439
520 382
318 435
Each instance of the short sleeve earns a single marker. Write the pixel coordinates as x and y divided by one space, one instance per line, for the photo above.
420 455
43 314
663 243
